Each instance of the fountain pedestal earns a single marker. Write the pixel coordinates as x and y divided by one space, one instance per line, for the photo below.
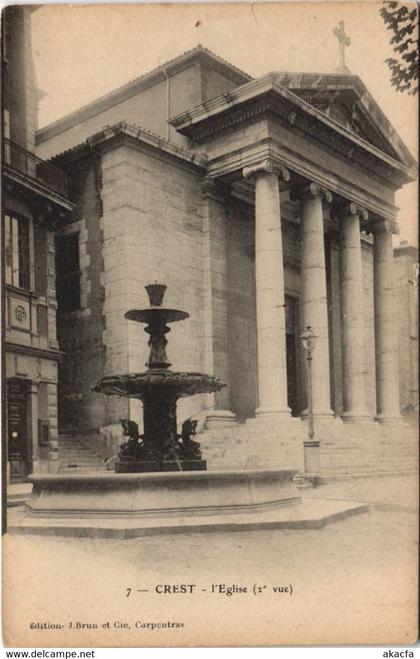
160 449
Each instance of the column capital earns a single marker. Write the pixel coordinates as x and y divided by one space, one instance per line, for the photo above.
347 208
311 190
383 226
267 166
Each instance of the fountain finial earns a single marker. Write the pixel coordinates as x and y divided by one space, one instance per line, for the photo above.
155 292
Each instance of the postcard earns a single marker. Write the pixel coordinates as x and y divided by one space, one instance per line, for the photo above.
210 333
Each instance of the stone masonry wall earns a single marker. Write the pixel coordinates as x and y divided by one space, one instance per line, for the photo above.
406 289
81 332
367 265
152 231
241 309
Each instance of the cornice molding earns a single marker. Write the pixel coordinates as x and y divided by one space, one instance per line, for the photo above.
55 355
131 134
31 190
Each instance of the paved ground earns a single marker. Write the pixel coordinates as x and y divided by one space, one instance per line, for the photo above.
353 582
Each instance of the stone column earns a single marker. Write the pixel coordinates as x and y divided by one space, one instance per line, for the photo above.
53 463
386 334
314 310
352 310
216 302
33 397
269 273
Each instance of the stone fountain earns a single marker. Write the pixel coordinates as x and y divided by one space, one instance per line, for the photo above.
160 448
161 484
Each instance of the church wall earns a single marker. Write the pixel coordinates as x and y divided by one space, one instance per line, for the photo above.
367 266
152 231
332 259
406 291
80 331
241 309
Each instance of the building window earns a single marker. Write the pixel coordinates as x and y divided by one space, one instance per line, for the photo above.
68 272
16 242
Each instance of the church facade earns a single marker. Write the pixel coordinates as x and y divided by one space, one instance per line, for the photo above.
266 206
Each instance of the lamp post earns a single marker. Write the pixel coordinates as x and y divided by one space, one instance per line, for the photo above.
311 450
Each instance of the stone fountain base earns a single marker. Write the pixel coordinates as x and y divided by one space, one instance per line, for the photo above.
130 466
130 505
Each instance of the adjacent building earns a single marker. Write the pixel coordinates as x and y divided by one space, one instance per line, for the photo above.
35 198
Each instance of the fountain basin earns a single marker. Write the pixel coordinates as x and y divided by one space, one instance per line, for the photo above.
158 381
162 494
134 505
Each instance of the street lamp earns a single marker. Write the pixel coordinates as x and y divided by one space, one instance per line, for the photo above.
311 445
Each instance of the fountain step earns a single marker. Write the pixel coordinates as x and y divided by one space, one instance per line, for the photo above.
312 513
82 469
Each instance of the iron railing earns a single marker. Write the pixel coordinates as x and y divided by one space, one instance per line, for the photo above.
29 164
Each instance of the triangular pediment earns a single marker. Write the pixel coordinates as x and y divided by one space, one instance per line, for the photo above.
345 99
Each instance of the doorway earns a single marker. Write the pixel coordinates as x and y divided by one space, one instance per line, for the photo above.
18 439
292 354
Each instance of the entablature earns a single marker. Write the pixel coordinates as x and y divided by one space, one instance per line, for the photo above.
361 191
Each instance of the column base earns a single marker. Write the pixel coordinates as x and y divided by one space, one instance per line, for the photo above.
220 419
53 466
353 416
275 421
35 466
53 457
273 413
319 414
382 418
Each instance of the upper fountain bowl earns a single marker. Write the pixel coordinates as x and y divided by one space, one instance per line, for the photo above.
156 314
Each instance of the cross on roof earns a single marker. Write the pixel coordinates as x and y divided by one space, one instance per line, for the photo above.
343 41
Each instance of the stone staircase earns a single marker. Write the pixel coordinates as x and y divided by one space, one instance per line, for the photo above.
347 450
76 454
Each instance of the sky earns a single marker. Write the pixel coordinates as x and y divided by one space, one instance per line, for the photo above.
84 51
